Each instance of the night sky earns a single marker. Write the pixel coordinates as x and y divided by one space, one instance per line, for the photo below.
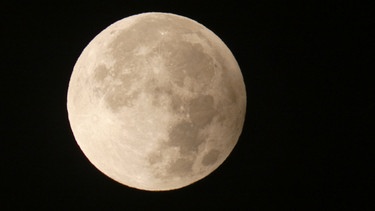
309 121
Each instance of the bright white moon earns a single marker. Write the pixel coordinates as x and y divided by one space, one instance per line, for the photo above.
156 101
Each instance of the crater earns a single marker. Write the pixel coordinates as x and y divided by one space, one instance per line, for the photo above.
211 157
160 94
201 110
230 92
189 60
181 167
100 73
154 158
177 104
185 135
117 99
116 86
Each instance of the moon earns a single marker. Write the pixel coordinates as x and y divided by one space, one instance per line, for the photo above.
156 101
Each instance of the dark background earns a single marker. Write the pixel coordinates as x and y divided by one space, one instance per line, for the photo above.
309 123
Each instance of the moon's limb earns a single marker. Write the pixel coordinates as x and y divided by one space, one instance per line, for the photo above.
156 101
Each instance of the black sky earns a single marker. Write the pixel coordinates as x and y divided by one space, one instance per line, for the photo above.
309 122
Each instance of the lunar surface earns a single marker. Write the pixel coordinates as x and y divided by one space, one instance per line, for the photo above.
156 101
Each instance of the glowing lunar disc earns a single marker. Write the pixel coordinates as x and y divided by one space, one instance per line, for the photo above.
156 101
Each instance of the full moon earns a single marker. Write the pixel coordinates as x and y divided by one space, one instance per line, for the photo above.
156 101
